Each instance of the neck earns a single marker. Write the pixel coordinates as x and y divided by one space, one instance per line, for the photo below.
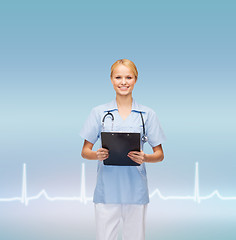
124 101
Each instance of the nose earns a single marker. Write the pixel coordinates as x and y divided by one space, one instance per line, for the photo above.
123 80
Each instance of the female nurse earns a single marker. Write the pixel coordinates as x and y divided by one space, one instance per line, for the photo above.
121 192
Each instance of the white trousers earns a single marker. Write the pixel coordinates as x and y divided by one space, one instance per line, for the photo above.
108 217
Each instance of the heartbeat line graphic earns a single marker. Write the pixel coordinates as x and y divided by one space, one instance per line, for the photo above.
24 199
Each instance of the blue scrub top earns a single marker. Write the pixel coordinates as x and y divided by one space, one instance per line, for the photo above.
122 184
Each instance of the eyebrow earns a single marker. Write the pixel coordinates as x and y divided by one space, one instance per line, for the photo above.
126 75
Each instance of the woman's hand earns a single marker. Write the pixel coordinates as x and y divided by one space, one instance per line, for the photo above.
102 154
138 157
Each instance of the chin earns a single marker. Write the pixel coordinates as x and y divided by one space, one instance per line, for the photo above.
124 93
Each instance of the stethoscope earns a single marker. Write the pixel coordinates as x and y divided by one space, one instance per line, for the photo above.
144 137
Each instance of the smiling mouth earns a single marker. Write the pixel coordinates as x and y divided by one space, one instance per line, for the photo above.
123 88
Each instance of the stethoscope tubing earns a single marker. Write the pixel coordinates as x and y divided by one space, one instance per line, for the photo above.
144 137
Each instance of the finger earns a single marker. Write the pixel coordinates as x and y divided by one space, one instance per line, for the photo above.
104 149
102 158
132 154
137 161
135 152
104 155
104 152
134 158
135 155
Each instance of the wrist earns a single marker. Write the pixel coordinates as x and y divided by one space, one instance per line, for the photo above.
145 158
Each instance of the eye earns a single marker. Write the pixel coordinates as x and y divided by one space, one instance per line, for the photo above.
129 77
117 77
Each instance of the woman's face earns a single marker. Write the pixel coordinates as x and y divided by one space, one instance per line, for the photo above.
123 80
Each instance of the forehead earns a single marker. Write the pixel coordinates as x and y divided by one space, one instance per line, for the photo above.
122 69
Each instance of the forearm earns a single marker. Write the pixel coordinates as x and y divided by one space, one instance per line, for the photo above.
157 156
89 154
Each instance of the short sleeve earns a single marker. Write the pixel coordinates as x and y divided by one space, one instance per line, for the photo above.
91 128
155 132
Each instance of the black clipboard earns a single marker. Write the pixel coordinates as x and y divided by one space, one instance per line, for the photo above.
119 144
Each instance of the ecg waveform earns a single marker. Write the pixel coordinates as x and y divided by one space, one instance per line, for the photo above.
24 199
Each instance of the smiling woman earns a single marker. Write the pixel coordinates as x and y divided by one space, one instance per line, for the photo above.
121 191
123 80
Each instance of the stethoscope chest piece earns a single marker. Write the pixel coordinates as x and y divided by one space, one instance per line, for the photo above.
144 138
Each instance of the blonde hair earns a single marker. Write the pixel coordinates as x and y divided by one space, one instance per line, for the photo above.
126 62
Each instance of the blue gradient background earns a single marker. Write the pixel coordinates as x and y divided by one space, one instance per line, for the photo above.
55 59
